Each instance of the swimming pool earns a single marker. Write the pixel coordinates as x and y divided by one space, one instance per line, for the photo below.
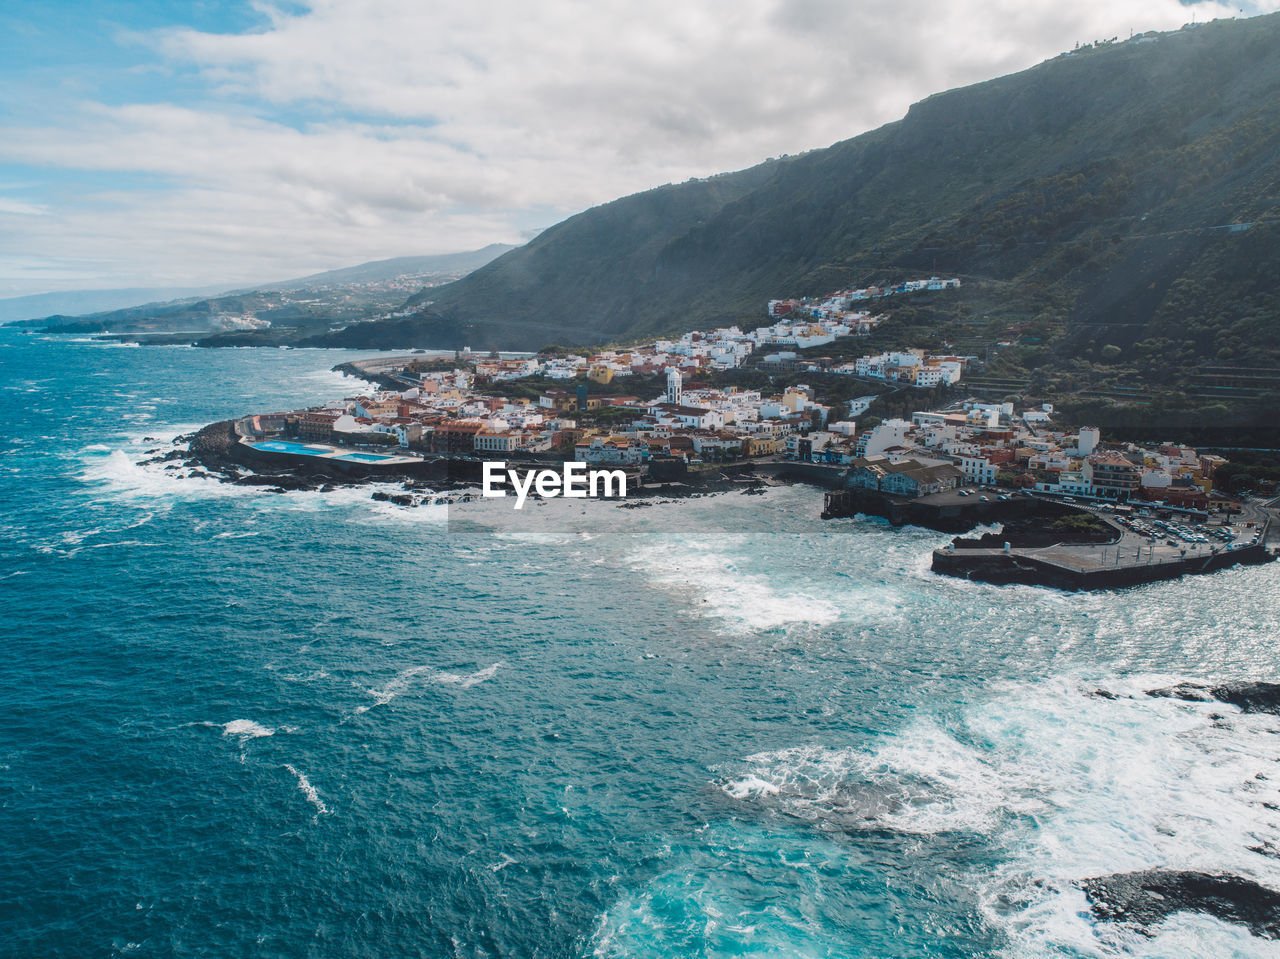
320 450
284 446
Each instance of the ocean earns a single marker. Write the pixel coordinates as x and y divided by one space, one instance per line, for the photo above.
245 723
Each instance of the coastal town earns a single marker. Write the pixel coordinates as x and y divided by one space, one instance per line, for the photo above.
464 406
692 412
469 406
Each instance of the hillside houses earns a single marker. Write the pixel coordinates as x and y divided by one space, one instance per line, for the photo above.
967 443
842 301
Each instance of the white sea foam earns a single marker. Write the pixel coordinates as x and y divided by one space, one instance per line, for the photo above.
128 480
1064 785
1131 783
73 537
405 680
70 551
924 782
245 729
468 680
723 590
308 790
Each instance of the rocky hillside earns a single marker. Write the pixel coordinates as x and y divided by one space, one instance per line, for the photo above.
1113 212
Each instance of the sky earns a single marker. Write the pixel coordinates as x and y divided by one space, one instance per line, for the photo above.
202 142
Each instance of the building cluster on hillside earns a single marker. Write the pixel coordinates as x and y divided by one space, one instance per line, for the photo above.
913 367
982 443
842 301
447 410
446 414
726 348
798 325
970 443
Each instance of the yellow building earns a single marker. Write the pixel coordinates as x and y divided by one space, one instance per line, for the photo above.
759 445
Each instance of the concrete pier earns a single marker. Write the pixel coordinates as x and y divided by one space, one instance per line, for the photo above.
1129 560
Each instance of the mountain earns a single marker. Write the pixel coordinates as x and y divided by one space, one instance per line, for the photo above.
379 271
1113 213
285 311
73 302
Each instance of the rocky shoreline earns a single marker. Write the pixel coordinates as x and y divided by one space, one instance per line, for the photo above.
1145 898
215 452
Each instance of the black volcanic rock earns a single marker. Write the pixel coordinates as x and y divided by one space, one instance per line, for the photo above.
278 482
1254 697
1251 697
1191 692
1147 898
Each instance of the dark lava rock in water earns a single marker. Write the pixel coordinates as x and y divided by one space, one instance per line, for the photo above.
399 499
1250 697
1147 898
1192 692
279 483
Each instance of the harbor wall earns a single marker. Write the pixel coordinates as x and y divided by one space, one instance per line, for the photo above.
1004 568
951 517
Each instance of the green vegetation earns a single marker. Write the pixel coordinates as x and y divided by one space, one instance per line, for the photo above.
1082 523
1086 205
1257 474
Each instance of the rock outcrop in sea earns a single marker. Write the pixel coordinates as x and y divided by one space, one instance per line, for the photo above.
1148 897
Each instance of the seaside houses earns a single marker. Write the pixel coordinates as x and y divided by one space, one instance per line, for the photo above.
907 477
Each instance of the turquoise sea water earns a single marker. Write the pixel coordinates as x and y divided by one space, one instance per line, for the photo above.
239 723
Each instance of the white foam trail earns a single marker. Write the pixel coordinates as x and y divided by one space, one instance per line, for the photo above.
308 790
1131 783
1063 785
245 729
469 680
404 679
76 550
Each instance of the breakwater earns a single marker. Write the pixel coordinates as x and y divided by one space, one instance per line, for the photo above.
1082 571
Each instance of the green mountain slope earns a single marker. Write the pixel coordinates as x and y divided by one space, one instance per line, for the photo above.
1087 202
290 309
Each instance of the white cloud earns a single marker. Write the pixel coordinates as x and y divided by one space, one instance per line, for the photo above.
365 128
20 208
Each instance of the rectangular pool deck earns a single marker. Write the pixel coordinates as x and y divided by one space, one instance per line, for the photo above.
325 452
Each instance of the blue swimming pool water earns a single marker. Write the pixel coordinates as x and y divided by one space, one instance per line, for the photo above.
284 446
302 449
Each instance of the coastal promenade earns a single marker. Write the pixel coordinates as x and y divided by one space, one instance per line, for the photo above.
1131 558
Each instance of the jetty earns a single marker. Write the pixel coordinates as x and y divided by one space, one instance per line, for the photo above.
1138 553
